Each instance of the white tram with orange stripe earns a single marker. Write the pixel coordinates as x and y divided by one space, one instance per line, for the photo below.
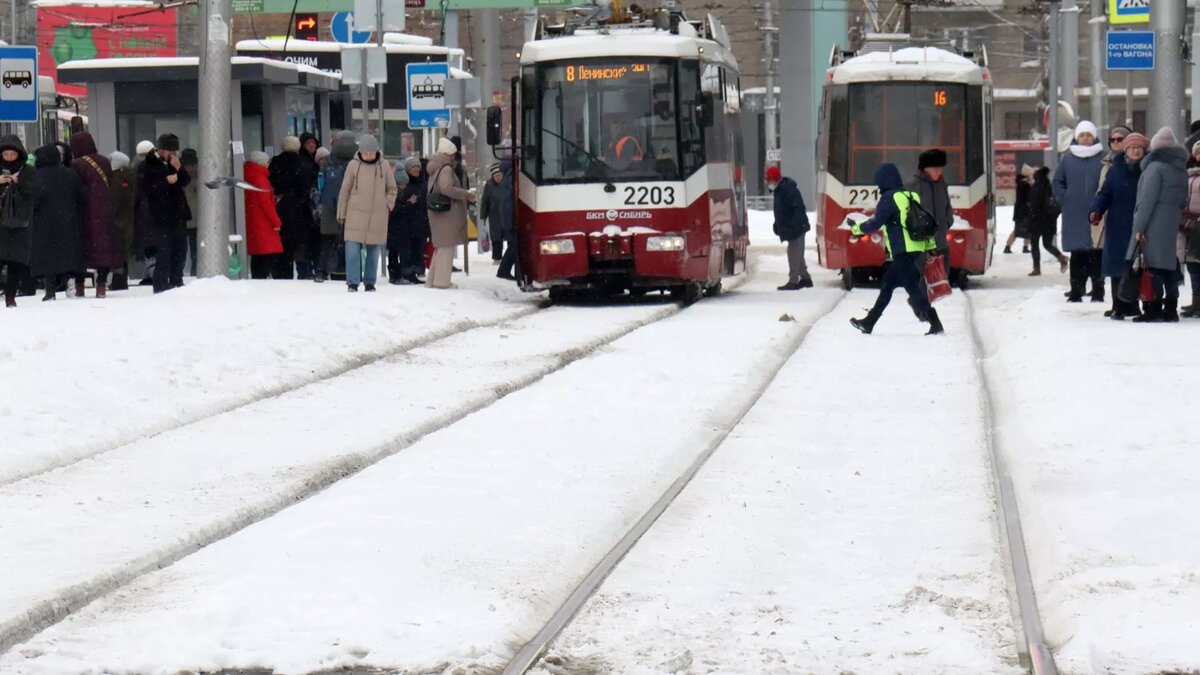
629 149
889 104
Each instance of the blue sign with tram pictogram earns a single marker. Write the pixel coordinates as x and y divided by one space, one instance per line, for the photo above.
18 84
426 83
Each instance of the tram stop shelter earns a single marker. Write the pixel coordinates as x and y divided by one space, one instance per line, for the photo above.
136 99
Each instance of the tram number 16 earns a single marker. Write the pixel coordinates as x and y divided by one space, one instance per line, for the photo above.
647 196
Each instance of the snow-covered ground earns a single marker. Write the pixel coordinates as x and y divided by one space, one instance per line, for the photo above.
844 527
806 545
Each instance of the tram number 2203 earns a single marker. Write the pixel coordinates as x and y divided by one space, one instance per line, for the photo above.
649 196
863 196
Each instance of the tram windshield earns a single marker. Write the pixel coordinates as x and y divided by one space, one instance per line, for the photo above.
877 122
600 119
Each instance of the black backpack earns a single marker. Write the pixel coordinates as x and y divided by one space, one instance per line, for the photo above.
922 226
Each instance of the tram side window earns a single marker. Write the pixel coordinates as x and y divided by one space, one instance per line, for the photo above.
691 131
529 98
716 143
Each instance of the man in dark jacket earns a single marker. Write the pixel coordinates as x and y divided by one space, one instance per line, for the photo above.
509 264
294 178
489 211
891 214
164 181
935 197
791 224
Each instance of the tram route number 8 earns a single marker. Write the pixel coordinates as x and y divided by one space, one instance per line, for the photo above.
649 196
863 196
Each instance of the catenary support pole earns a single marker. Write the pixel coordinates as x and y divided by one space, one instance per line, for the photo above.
1052 126
1069 56
770 107
486 48
1167 80
799 127
1129 99
379 87
215 77
450 39
1099 99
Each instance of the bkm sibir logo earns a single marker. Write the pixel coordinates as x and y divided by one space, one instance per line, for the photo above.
613 214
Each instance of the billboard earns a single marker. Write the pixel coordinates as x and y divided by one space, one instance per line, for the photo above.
77 33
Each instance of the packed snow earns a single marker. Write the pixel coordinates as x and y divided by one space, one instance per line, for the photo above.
806 545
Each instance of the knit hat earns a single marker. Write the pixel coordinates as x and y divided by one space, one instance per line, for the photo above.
446 146
494 170
1123 130
322 153
401 177
774 175
144 148
168 142
931 159
291 144
1136 141
260 158
1085 127
119 160
411 162
189 157
368 144
1163 139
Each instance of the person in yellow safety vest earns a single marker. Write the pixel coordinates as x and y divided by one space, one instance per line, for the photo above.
625 147
907 254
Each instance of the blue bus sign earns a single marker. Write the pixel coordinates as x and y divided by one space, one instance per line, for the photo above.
1130 50
18 84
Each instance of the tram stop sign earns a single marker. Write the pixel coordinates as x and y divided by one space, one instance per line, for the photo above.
19 84
427 107
1130 50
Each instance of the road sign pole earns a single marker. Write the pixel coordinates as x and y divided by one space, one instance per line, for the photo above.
1069 56
1052 125
1099 97
215 116
1195 67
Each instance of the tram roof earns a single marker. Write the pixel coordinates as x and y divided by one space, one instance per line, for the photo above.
625 42
313 46
909 63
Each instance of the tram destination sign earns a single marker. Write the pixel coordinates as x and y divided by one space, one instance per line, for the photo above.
331 6
1130 50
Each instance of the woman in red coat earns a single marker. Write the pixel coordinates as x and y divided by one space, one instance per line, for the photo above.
262 221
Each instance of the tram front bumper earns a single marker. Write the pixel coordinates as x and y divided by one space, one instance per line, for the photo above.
584 259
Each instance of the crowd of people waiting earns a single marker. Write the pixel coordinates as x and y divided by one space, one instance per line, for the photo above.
1139 202
70 213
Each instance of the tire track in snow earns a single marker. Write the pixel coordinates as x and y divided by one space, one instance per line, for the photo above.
71 598
529 655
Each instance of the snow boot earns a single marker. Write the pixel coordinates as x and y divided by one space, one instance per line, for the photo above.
1063 263
10 301
935 323
413 279
101 291
867 323
917 313
1025 249
1007 250
50 295
370 288
120 282
1171 310
79 288
806 282
1152 313
353 288
1037 271
790 286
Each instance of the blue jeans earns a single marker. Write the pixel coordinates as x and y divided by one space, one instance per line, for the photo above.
354 266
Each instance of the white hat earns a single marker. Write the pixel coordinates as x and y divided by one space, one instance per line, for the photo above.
447 147
119 160
259 157
1086 127
145 148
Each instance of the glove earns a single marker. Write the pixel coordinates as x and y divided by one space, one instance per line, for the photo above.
856 229
1094 218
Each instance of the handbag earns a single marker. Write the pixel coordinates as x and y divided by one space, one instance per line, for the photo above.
935 278
12 217
436 201
1129 289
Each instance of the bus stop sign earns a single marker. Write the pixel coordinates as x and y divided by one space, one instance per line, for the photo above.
427 107
18 84
1130 50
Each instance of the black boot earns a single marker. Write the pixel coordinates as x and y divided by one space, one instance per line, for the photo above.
922 317
1171 310
867 323
1151 314
935 323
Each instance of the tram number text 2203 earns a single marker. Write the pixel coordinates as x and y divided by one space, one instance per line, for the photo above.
649 196
863 196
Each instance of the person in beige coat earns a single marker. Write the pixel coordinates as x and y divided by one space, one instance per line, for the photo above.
448 229
367 197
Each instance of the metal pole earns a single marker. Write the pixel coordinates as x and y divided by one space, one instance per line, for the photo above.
770 107
531 19
13 7
1052 126
366 95
379 87
215 117
1129 99
798 139
1196 68
486 48
1167 79
1069 56
450 39
1099 87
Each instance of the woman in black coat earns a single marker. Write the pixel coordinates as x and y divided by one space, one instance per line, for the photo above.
18 193
1043 220
57 220
408 228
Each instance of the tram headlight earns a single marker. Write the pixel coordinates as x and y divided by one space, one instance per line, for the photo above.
557 247
668 243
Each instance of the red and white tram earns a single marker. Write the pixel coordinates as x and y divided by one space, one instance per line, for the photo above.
889 105
629 155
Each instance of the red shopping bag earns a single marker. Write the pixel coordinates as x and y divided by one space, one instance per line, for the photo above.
935 278
1146 288
428 253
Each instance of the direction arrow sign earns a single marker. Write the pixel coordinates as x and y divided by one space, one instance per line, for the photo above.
427 95
342 28
18 84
